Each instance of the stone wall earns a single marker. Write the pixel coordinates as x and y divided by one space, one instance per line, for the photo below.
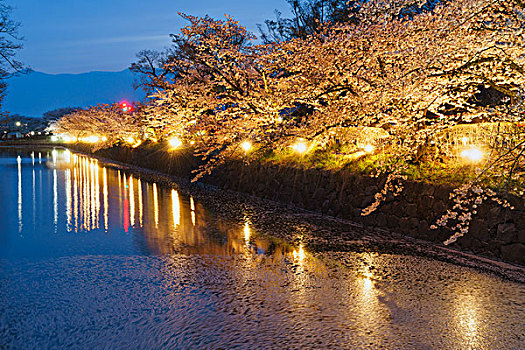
495 232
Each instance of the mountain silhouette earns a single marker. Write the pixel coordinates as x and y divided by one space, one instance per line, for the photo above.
34 93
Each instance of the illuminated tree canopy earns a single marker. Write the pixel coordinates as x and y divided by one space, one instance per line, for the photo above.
416 70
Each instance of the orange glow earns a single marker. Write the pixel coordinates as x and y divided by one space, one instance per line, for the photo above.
246 146
175 142
472 154
300 147
369 148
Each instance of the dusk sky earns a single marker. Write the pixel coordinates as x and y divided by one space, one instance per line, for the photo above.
75 36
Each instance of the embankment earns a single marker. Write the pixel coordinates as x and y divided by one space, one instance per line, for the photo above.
496 232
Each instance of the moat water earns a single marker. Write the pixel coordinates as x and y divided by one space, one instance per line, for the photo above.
94 257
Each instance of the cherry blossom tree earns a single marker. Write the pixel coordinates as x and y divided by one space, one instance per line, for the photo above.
414 69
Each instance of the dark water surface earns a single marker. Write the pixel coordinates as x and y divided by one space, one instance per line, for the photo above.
92 257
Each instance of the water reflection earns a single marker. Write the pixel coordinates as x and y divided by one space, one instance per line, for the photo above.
175 208
19 165
368 295
156 205
120 231
467 314
87 197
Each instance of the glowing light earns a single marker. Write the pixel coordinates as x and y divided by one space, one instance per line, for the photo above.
54 138
136 144
130 140
91 139
464 140
192 142
104 138
300 147
175 142
246 146
192 204
279 119
369 148
18 123
67 138
125 107
472 154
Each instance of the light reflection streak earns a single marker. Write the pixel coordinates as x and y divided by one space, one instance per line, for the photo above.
156 205
20 224
126 205
131 202
299 255
247 233
55 199
84 200
368 296
105 181
141 209
68 199
175 208
192 207
67 156
39 158
119 194
97 194
467 314
34 189
75 198
93 200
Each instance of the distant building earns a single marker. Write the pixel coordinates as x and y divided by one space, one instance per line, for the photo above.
14 135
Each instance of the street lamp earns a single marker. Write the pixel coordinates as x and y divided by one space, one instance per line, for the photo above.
175 142
300 147
246 146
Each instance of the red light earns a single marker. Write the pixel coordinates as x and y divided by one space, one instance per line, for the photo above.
125 107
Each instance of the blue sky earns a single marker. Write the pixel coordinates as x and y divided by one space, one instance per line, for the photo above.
75 36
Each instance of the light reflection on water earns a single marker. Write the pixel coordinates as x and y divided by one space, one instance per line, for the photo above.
76 231
95 201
